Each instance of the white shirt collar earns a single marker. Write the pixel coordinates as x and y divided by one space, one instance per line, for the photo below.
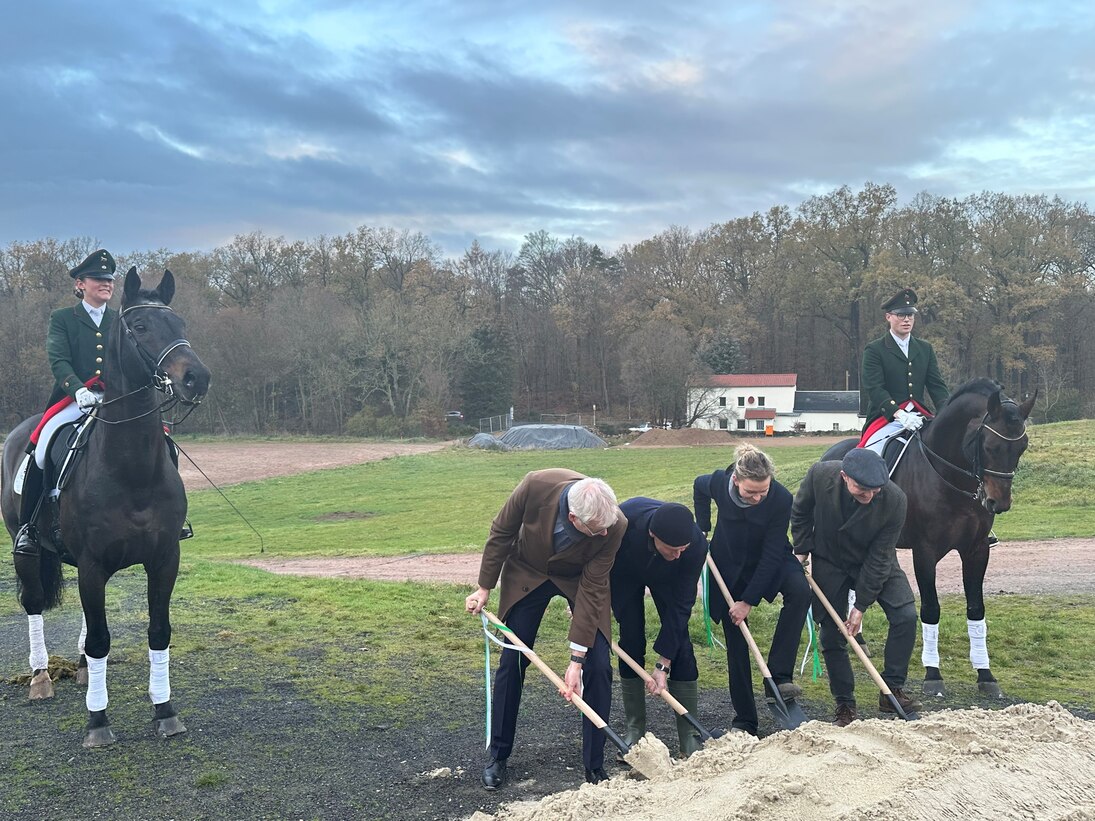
96 314
903 344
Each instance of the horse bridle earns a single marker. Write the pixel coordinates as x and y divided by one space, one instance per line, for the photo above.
973 448
161 381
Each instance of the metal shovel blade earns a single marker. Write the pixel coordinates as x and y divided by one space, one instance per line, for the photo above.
788 714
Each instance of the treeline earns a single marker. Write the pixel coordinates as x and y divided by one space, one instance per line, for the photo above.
375 333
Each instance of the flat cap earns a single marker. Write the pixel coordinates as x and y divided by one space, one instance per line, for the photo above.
673 524
865 468
98 265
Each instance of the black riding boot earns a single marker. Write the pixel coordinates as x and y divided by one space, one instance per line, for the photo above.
26 540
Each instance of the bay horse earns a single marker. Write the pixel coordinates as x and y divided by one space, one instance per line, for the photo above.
957 473
123 503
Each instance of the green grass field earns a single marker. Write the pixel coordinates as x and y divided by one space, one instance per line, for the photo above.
386 642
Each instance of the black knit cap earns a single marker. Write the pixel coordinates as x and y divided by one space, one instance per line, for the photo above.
98 265
673 524
865 467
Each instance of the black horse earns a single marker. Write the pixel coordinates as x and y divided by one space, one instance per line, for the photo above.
957 475
123 503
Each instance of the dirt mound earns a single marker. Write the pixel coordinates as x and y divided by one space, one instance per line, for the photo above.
683 437
1026 760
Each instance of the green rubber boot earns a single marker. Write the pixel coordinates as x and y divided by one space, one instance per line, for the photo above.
633 691
688 694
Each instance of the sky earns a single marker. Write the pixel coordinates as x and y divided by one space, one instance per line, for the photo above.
150 125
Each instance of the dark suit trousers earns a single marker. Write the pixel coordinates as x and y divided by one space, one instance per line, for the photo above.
835 584
629 608
782 656
524 620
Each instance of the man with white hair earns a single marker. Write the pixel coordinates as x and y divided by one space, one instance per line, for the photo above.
556 535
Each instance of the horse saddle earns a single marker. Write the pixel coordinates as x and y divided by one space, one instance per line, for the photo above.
897 445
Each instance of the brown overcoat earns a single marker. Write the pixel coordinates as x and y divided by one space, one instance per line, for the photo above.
519 552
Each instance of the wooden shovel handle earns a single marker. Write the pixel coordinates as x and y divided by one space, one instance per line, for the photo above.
678 708
848 636
576 699
744 628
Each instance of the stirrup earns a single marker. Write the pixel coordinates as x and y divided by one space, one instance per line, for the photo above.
187 531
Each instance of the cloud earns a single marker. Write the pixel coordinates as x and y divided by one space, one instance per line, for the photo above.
610 120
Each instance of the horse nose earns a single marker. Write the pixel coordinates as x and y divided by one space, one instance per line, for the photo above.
196 381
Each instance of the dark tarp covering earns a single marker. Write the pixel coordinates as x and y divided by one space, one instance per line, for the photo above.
551 437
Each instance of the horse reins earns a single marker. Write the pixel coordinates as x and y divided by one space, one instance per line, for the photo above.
979 470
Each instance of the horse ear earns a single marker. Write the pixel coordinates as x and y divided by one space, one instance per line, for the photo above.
166 288
1028 406
994 403
132 285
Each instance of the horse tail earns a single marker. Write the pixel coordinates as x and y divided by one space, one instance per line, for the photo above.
53 581
50 579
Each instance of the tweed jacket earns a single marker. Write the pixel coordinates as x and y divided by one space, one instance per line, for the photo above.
676 581
863 546
76 348
750 545
888 379
519 553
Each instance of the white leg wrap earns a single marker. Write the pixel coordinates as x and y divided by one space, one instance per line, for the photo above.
83 636
159 679
851 601
929 656
39 658
979 651
96 684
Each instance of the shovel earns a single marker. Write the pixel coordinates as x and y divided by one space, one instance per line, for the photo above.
678 708
639 763
882 685
788 716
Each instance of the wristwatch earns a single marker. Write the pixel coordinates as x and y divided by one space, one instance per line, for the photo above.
664 668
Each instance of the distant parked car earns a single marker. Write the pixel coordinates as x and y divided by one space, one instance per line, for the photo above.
454 416
643 428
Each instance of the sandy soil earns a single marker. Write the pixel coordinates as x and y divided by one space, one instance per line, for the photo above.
228 463
1027 761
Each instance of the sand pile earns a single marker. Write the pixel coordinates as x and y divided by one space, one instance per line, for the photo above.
1022 762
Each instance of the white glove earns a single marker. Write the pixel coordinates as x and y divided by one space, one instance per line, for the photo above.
909 420
88 399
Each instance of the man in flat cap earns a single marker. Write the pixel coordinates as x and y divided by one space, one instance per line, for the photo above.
556 535
897 371
75 345
754 558
664 551
847 516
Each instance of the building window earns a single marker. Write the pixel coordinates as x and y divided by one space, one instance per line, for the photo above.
722 401
760 424
723 423
741 424
836 426
741 401
760 401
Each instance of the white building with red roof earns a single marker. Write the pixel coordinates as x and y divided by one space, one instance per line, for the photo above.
770 403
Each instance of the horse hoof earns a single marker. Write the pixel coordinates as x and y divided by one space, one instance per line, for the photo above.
41 686
167 727
99 737
934 687
990 689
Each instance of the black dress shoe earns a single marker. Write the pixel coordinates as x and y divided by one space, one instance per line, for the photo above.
494 774
596 776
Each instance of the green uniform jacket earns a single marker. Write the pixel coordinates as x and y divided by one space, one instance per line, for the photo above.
889 379
76 348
